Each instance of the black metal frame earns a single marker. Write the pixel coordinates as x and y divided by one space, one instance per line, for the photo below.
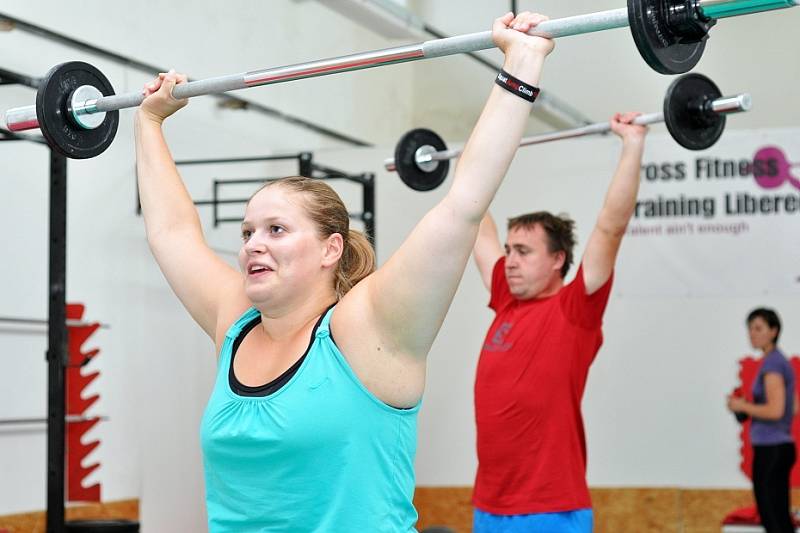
57 355
8 135
306 167
8 77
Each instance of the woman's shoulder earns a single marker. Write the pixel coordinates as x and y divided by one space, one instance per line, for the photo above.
778 354
231 312
776 360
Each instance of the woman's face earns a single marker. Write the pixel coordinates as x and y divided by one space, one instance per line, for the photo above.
761 335
282 255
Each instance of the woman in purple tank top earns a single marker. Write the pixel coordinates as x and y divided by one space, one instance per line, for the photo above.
772 410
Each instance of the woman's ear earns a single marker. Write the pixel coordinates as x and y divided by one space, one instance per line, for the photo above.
333 250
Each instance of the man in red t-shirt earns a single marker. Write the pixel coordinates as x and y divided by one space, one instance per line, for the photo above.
534 363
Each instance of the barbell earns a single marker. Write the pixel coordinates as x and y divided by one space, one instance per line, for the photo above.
76 105
694 111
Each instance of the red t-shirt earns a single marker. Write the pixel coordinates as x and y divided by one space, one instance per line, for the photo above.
528 389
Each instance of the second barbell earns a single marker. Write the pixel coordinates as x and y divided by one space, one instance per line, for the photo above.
694 111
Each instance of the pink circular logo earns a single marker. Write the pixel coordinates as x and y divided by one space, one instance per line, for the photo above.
772 169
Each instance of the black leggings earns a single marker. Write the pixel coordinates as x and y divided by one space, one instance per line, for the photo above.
771 468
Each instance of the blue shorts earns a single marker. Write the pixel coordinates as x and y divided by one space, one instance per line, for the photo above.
580 521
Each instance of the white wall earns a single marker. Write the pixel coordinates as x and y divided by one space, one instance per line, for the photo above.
654 404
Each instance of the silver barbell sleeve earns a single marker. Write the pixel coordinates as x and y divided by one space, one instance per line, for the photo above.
725 105
24 118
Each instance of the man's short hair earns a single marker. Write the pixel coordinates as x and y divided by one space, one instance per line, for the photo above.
560 230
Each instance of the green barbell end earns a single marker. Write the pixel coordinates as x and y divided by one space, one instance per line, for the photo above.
718 10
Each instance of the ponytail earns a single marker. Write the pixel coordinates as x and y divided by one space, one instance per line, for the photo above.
357 262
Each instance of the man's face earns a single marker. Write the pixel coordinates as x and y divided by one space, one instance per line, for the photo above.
531 269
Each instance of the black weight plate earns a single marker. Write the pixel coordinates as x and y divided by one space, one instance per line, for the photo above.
52 100
406 163
684 112
659 46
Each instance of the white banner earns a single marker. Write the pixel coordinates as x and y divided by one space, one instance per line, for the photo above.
725 221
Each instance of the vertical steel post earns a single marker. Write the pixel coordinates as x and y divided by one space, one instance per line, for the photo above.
57 356
368 203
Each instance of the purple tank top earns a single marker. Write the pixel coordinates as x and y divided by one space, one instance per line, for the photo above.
767 432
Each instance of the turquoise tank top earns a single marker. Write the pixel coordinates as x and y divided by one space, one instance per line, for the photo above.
320 454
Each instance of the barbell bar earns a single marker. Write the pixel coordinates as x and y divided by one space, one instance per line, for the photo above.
670 35
69 419
693 109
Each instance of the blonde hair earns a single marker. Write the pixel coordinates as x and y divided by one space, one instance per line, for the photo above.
326 209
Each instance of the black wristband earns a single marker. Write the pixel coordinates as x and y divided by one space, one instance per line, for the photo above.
518 87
